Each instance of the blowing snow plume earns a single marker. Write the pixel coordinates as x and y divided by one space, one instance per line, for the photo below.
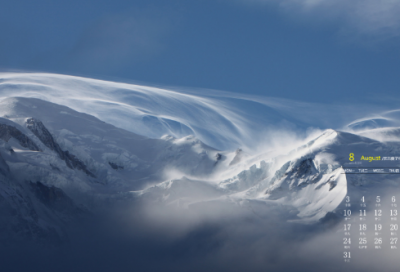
220 119
148 111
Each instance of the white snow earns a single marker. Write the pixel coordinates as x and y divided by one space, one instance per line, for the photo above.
144 110
163 161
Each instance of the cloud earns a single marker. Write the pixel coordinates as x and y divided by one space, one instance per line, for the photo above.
209 238
363 18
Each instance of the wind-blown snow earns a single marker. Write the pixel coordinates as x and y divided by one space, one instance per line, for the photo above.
148 111
220 119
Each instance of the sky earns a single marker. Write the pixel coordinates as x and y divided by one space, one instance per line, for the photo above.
308 60
318 51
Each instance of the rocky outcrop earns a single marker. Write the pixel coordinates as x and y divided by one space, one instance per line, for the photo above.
37 128
7 132
304 169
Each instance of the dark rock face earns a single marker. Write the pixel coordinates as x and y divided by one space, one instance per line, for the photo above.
6 132
47 139
302 173
74 162
305 168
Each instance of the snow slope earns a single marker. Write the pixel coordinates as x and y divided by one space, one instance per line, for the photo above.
51 156
309 180
104 143
57 164
113 155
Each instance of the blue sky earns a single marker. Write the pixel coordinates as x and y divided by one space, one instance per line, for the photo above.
309 50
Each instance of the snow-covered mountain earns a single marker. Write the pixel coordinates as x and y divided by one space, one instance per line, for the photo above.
309 180
53 156
59 165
